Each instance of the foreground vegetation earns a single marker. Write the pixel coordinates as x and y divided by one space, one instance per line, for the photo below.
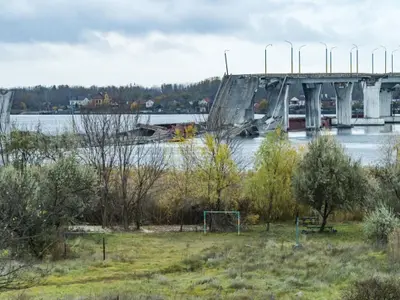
48 184
190 265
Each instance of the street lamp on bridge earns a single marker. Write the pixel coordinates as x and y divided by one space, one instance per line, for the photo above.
392 58
330 57
300 57
356 47
385 56
326 56
226 62
373 60
291 56
265 57
351 59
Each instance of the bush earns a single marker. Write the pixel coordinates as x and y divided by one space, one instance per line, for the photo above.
394 246
252 219
380 223
374 288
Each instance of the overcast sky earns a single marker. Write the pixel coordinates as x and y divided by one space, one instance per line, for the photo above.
149 42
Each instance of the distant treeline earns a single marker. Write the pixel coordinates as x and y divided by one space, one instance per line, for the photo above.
168 95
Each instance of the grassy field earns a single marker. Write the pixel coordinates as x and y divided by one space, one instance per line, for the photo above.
254 265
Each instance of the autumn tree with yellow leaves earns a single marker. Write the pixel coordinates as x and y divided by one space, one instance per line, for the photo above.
270 184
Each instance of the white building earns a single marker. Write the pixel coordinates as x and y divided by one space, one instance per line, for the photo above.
79 101
149 103
296 102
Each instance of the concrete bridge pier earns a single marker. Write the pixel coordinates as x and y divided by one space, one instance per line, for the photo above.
286 108
6 98
385 100
275 107
371 91
344 92
312 92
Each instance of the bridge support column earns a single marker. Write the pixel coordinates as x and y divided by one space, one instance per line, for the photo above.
312 94
286 108
385 101
344 92
371 92
5 108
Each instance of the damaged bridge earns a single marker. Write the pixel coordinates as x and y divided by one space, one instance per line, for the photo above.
234 101
234 105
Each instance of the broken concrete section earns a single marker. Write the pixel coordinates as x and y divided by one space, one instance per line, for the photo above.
234 101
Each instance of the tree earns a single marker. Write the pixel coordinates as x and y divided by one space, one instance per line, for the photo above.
138 167
66 190
182 183
99 151
149 164
263 105
217 170
22 105
271 182
134 106
38 203
386 175
327 179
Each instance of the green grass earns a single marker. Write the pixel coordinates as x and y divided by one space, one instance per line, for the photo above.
254 265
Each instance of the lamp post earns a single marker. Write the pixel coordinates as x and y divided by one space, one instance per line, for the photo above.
291 56
226 62
265 57
326 56
356 47
300 58
351 59
330 57
392 58
385 56
373 60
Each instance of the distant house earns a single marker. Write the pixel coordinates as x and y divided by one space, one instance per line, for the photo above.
100 99
296 102
149 103
97 99
78 101
204 104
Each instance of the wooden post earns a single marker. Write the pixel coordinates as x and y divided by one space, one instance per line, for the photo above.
65 246
104 247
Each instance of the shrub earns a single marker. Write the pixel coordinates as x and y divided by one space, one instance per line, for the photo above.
252 219
380 223
394 246
374 288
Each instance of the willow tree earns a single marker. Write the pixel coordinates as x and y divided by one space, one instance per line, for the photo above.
327 179
270 184
217 172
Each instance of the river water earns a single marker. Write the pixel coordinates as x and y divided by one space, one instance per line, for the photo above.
364 143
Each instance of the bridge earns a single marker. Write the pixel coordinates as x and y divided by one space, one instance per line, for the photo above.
233 103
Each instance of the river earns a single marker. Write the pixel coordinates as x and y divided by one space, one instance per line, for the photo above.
364 143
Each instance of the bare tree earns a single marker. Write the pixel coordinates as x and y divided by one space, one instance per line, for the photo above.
99 151
129 159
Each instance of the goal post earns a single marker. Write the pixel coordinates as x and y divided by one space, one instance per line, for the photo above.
237 213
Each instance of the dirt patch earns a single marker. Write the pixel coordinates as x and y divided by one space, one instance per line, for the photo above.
144 229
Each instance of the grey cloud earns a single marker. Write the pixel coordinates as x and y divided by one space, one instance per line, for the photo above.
68 20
